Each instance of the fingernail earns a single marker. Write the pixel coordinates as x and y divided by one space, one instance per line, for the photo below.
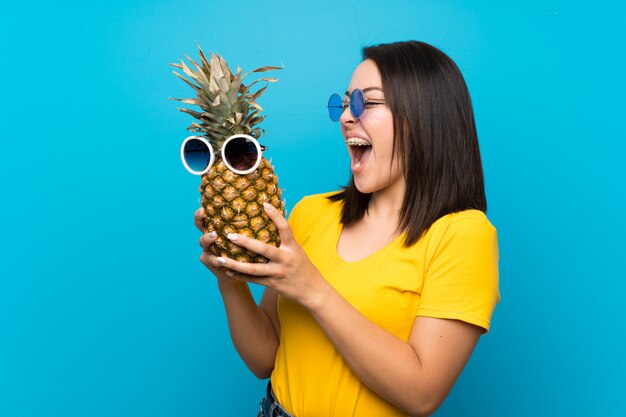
230 273
232 236
221 261
268 207
212 235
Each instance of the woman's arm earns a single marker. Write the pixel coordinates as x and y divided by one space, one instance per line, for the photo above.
415 376
253 329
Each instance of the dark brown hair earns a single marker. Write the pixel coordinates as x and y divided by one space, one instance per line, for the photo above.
434 134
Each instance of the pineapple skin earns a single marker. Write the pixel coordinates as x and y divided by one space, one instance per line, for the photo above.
233 203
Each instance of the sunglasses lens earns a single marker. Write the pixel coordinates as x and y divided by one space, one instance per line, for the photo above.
241 153
197 154
335 107
357 103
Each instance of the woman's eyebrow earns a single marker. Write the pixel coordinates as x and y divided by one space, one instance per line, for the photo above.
365 90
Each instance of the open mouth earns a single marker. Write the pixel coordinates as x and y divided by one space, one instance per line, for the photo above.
360 150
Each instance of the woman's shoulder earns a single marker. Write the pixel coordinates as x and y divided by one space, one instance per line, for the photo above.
466 225
465 219
313 213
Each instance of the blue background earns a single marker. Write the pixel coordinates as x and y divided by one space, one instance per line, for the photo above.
105 309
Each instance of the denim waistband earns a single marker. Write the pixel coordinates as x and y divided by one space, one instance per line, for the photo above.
270 407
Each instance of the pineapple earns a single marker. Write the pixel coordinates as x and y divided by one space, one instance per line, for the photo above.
233 203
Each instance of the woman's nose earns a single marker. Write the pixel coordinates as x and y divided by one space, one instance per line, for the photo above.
347 117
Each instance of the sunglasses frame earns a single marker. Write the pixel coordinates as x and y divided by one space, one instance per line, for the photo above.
357 103
204 140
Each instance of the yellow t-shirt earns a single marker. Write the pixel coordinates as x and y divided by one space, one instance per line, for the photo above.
451 272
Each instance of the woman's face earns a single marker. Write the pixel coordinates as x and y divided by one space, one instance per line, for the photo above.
369 138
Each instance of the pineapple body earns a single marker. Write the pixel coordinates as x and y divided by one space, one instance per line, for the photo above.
233 203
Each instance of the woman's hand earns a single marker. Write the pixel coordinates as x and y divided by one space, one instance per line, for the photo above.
207 258
288 271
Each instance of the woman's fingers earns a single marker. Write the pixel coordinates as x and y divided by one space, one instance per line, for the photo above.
206 240
246 268
256 246
248 278
207 258
281 223
251 272
214 263
198 219
210 261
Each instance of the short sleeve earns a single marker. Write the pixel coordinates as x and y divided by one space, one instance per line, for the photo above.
295 221
303 217
461 280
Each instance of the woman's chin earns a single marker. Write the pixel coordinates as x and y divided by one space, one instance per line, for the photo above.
363 186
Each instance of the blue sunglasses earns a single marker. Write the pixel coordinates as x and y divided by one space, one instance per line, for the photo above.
357 104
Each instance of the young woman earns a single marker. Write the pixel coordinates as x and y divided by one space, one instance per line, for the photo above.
378 293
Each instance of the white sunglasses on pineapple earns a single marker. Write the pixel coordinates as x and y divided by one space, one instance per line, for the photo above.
241 154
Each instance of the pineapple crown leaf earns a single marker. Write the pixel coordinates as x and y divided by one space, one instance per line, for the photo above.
228 105
264 69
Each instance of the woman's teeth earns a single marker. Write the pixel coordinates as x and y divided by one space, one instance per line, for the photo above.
357 142
359 149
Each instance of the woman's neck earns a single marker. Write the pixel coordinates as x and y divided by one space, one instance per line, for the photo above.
386 205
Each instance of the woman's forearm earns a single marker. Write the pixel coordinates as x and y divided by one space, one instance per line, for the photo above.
251 329
388 365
